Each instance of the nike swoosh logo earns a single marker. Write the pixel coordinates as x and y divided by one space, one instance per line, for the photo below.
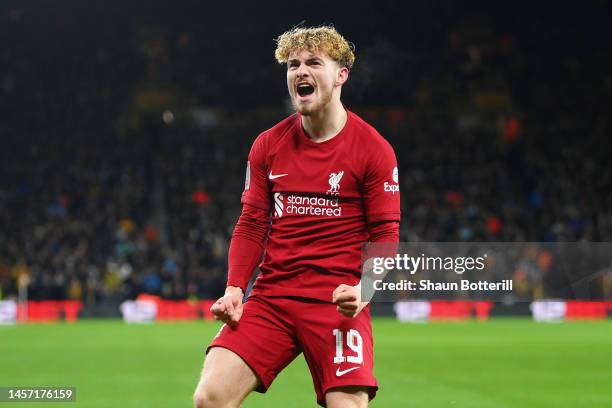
341 373
275 176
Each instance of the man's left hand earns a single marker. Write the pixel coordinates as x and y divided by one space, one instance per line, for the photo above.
348 300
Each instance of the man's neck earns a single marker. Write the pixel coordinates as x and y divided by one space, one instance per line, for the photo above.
326 124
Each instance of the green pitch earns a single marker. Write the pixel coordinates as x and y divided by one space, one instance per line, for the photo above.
501 363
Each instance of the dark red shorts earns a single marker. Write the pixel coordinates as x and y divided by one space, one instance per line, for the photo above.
274 331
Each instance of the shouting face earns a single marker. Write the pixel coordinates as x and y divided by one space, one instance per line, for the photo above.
313 80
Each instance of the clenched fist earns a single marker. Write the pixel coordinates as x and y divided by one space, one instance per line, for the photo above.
348 300
228 308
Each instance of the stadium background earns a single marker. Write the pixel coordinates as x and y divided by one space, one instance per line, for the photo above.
125 128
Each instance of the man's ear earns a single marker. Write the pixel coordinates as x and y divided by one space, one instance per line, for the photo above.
342 76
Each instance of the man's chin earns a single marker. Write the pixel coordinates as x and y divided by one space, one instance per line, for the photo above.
305 110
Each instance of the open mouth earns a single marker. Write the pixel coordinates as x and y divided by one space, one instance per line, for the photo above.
305 89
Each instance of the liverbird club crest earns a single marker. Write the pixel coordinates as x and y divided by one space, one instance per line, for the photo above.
334 183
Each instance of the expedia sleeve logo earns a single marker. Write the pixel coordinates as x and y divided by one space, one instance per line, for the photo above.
393 188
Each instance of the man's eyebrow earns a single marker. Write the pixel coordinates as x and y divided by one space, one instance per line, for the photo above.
310 59
314 58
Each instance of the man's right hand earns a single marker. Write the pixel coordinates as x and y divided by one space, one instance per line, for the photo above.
228 308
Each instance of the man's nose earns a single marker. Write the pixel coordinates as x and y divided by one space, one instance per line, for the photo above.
302 71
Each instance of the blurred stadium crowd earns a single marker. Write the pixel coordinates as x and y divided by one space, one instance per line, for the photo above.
125 133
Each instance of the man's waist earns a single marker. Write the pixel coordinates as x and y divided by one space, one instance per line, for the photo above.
305 286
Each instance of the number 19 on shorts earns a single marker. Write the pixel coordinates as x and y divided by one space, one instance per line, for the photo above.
353 341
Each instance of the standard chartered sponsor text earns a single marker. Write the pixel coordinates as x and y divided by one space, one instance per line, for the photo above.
302 205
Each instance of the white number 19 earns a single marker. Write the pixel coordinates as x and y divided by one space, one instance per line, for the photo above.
353 341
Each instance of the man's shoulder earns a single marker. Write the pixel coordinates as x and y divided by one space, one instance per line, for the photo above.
277 132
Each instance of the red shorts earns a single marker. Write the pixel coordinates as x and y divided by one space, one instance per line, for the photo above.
274 331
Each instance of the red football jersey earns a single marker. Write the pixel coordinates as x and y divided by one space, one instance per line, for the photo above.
322 197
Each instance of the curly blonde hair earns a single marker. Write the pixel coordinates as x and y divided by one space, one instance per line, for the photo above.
313 39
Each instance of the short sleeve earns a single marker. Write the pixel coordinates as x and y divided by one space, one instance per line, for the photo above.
256 188
381 185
